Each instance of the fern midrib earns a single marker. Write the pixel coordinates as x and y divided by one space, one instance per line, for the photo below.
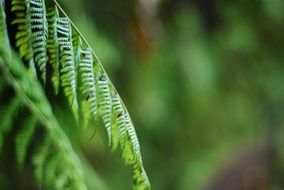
46 122
18 89
129 142
94 54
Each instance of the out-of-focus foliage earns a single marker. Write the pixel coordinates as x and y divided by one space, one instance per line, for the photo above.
204 80
54 52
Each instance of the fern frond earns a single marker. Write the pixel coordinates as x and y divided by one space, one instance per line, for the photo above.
39 35
77 44
39 158
105 104
24 33
8 114
88 88
68 68
51 165
42 36
141 181
23 138
117 123
31 95
133 138
52 47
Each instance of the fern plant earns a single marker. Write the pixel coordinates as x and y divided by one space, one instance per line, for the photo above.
53 53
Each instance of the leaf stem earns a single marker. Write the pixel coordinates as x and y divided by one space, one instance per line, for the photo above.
88 45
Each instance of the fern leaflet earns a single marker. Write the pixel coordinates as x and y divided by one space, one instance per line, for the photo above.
56 51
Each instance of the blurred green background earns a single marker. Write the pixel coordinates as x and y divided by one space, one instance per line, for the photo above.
204 83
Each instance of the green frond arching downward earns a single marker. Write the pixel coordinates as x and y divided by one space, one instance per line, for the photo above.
46 39
100 102
30 95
